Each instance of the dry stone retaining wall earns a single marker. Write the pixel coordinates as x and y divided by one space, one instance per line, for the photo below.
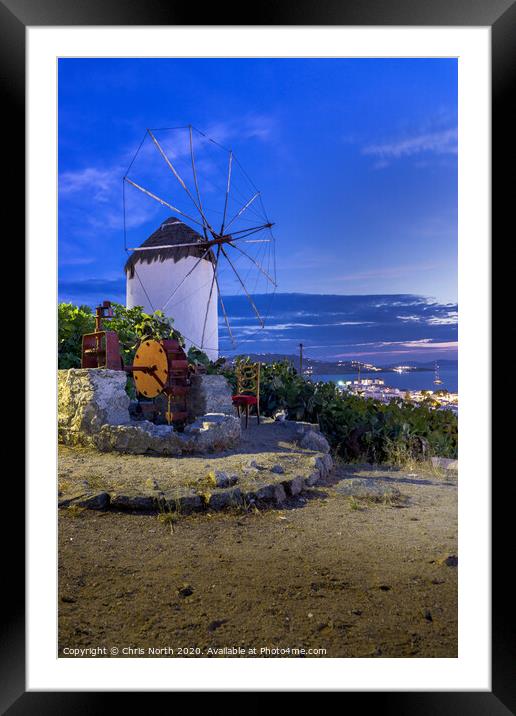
93 410
273 488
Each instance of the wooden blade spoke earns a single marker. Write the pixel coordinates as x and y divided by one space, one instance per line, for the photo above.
194 171
202 244
209 297
226 319
245 289
244 208
161 201
227 192
179 178
256 241
252 229
255 263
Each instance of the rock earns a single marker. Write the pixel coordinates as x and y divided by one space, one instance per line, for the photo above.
209 394
89 398
278 494
181 500
224 499
367 488
277 470
211 433
428 615
313 478
451 561
88 500
95 501
265 493
257 466
445 463
301 427
218 432
186 590
189 503
314 441
128 501
222 479
294 486
216 623
68 500
93 410
324 464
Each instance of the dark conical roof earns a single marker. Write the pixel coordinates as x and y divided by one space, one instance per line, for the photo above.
172 231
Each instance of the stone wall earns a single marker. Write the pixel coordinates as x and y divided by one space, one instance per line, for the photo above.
87 399
93 410
209 394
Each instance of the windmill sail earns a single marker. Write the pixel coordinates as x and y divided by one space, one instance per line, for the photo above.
208 241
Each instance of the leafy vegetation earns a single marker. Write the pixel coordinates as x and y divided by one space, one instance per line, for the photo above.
359 429
199 359
73 322
132 325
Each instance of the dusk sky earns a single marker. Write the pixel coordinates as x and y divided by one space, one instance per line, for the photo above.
356 161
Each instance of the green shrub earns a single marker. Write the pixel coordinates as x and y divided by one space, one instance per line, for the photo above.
73 321
199 359
358 429
134 325
131 324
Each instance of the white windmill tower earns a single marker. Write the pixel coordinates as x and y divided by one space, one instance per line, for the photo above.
163 275
186 271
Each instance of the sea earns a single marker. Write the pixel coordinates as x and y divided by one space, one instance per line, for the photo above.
412 380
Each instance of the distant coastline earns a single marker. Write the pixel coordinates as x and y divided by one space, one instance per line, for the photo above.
422 379
414 376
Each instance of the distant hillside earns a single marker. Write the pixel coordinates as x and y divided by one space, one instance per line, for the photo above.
323 367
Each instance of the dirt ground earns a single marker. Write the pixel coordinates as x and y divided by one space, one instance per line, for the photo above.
328 574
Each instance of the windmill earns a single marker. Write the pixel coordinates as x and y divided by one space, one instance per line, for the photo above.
212 240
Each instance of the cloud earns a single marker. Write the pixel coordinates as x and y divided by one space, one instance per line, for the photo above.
333 326
388 272
77 261
437 142
98 183
90 198
247 126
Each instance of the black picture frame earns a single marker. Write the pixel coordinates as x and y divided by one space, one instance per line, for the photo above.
500 15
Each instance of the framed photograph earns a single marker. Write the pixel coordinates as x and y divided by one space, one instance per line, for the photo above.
258 352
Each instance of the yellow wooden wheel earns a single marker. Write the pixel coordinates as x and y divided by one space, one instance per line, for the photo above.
150 354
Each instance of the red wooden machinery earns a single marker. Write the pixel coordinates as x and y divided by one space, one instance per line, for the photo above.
101 349
160 367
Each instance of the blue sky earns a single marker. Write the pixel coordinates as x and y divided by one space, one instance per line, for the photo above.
356 161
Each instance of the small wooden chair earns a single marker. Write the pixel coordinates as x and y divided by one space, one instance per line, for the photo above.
248 389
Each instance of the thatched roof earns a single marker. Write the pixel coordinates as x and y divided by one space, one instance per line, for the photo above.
171 231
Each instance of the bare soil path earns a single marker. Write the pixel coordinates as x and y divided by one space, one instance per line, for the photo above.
347 577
